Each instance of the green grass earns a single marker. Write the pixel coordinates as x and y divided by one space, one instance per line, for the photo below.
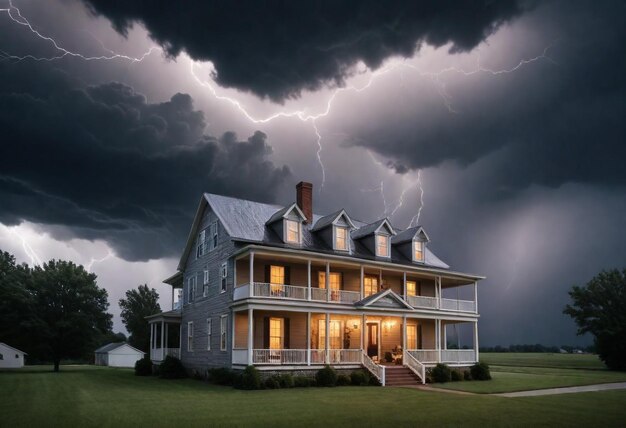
91 396
521 372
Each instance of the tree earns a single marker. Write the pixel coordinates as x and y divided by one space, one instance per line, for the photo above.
599 308
139 304
72 309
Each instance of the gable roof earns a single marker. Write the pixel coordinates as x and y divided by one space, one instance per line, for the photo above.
15 349
385 298
372 228
330 219
408 235
112 346
282 213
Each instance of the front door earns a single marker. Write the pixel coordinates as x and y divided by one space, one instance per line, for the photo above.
372 340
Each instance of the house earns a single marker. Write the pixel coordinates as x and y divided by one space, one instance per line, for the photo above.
10 357
118 355
283 288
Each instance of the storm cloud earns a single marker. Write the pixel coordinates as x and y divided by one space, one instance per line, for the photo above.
278 49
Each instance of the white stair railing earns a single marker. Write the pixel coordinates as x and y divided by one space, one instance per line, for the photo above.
377 370
414 365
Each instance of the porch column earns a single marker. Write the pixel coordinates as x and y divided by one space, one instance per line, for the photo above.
438 291
327 336
250 334
362 284
380 279
445 336
308 329
404 332
251 287
438 339
308 279
476 339
475 296
327 282
180 339
151 337
172 297
404 285
167 340
363 333
162 337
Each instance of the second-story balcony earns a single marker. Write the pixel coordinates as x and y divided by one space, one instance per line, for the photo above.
282 277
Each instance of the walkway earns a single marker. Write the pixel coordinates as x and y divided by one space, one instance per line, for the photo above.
568 390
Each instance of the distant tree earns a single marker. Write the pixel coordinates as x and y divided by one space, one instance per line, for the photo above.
111 337
72 310
599 308
137 305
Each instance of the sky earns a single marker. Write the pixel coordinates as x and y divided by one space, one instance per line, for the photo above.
497 126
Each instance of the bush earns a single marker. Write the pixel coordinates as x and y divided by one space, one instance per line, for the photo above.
388 357
373 381
480 371
467 375
286 380
272 382
172 368
360 378
455 376
143 367
343 380
221 376
249 379
441 373
302 381
326 376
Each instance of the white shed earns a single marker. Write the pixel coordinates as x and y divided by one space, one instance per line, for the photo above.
10 357
118 355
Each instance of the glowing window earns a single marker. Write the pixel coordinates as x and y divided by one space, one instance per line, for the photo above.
334 339
293 231
341 238
411 288
382 246
418 252
276 333
411 336
370 285
334 280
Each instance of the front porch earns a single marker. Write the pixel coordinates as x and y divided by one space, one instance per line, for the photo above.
164 332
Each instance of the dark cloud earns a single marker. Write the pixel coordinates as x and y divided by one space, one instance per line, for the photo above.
278 49
548 123
107 163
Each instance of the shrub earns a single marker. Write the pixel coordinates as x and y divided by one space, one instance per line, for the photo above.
388 357
221 376
143 367
440 373
455 376
286 380
373 381
301 382
249 379
480 371
467 375
172 368
343 380
358 378
272 382
326 376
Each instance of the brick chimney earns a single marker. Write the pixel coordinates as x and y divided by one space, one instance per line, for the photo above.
304 199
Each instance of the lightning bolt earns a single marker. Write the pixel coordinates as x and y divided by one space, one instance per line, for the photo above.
94 261
28 250
416 218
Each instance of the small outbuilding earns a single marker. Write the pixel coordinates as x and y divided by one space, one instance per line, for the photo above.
10 357
118 355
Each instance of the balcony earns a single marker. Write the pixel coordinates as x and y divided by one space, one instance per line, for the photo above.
293 292
448 356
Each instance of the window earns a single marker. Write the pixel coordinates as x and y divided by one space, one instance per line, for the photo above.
224 276
207 240
293 231
208 333
277 328
418 251
1 357
223 330
205 282
200 245
277 279
191 289
411 336
213 235
335 338
341 238
382 245
190 336
334 283
411 288
370 285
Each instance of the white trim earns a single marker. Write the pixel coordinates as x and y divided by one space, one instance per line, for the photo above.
224 332
367 335
286 231
379 236
190 343
224 277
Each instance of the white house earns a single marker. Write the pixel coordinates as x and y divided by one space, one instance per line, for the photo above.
10 357
118 355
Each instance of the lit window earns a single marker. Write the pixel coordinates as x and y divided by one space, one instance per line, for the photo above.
190 336
411 288
341 238
276 333
382 246
335 338
293 231
370 285
208 333
418 253
224 276
277 279
411 336
334 283
223 330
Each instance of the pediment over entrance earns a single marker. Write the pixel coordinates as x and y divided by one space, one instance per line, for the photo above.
385 299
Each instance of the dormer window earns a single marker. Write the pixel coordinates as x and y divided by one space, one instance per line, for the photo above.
341 238
382 245
293 231
418 251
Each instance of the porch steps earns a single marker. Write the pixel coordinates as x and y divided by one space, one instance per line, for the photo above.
400 376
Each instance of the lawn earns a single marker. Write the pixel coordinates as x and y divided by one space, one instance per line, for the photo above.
94 396
521 372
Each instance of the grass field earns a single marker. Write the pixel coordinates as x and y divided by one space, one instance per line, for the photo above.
521 372
82 396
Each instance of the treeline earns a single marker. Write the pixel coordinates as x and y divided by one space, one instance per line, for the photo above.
538 348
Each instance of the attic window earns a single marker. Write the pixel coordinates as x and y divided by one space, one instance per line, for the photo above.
293 231
341 238
382 245
418 251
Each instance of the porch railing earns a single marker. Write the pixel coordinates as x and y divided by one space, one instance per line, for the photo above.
279 356
159 354
240 356
280 291
458 356
344 356
318 356
458 305
415 366
375 369
334 296
422 302
424 355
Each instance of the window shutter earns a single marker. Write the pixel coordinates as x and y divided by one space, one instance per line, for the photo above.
419 339
286 338
267 273
266 333
419 288
287 275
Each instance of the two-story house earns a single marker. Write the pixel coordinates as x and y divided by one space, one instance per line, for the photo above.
283 288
